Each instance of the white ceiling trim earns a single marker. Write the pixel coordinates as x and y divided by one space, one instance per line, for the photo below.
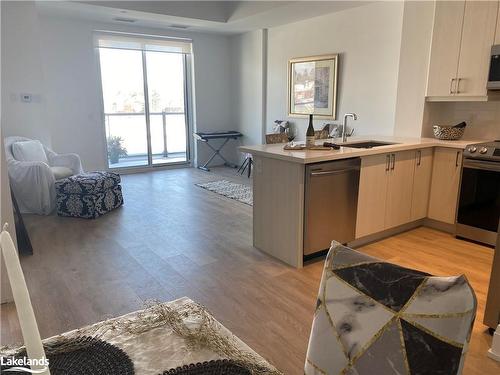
229 17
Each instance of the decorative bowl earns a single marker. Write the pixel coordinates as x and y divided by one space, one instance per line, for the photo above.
448 133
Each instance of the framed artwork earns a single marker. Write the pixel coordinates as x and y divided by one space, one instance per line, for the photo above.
312 86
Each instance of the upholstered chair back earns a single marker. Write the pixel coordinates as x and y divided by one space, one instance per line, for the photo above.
374 317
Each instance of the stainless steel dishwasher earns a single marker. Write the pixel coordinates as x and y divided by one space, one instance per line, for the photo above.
331 202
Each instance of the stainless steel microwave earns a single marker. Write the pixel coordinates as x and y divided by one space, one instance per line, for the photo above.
494 75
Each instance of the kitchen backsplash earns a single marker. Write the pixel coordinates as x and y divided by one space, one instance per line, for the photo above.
482 118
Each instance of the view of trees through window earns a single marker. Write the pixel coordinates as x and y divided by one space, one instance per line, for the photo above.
132 138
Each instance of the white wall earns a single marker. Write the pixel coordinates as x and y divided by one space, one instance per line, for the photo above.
53 57
212 70
6 214
482 118
247 62
73 91
368 39
22 73
416 38
240 81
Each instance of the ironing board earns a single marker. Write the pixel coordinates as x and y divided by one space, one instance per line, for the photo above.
210 136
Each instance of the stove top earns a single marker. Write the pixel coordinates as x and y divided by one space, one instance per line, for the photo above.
484 151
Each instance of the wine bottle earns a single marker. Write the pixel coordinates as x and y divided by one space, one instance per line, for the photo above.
310 133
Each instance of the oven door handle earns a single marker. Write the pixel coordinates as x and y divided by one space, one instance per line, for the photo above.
482 164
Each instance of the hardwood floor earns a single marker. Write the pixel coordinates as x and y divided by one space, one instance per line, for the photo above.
174 239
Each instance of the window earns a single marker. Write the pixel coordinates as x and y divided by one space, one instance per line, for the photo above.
146 89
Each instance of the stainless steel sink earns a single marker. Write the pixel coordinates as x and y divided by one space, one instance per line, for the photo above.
367 144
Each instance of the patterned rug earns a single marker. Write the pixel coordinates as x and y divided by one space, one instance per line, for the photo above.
239 192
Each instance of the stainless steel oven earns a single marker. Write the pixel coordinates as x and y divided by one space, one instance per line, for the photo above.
479 202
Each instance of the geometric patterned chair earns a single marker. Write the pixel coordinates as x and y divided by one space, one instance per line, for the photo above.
88 195
373 317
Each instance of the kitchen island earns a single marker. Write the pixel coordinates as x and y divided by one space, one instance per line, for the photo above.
400 186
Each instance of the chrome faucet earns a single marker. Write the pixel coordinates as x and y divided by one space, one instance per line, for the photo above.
344 125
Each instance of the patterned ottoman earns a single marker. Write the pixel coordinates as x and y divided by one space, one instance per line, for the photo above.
374 317
88 195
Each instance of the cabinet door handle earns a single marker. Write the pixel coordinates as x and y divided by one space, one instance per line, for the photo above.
451 86
393 161
388 162
456 160
458 86
331 173
419 158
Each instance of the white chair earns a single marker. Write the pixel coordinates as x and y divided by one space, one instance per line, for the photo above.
27 320
33 171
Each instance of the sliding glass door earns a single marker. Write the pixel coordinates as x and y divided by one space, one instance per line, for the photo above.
145 107
124 107
167 113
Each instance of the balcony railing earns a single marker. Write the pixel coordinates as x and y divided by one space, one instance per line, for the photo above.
135 143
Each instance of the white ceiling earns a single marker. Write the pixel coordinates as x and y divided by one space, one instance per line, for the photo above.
210 16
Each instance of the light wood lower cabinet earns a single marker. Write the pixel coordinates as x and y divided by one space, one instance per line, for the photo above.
385 192
421 183
399 189
393 190
372 194
445 184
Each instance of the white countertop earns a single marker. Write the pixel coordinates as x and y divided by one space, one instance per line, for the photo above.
275 151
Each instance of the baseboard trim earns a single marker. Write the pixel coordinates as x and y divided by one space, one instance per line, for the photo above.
426 222
154 168
386 233
439 225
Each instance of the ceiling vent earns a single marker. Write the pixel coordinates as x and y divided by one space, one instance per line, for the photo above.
123 19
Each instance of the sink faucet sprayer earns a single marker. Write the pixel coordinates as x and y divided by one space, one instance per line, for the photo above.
344 125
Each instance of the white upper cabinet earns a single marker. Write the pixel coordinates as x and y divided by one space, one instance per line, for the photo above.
463 34
445 50
477 38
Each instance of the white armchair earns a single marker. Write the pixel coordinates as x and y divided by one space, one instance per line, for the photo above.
33 171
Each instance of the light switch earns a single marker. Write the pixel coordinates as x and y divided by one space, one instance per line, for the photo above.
26 98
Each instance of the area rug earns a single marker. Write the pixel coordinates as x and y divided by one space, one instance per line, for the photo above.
239 192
